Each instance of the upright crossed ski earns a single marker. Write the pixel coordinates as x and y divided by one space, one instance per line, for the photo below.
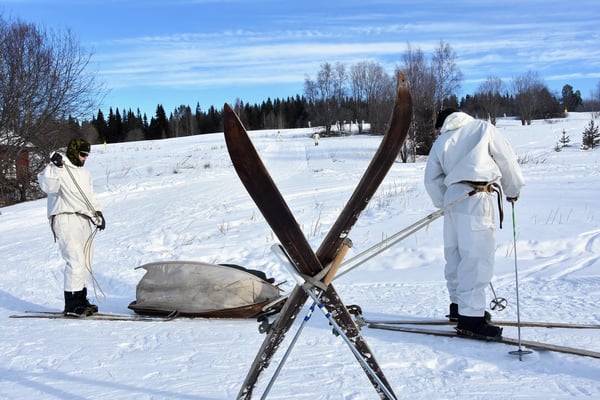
270 202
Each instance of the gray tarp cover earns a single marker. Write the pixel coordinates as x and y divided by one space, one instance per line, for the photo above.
195 288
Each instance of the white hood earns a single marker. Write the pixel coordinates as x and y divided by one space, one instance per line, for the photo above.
470 150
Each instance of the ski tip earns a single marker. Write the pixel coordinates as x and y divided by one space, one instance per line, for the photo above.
228 110
231 123
403 89
402 78
404 98
228 114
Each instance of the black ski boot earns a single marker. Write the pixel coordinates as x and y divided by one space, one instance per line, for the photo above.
453 314
487 316
73 306
478 328
90 308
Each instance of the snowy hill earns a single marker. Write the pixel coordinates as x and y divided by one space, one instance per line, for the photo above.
180 199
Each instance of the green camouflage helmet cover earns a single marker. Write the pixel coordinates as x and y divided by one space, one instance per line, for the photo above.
75 146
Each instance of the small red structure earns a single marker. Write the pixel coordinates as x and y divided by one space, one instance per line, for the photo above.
14 174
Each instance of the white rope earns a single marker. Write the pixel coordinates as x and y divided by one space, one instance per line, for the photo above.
87 250
87 201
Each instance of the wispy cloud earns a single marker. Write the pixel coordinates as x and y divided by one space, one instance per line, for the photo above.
267 55
210 44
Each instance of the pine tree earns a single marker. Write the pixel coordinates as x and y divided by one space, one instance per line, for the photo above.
591 136
100 124
558 147
564 139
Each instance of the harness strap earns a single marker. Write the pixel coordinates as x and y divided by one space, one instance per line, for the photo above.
489 188
52 227
317 280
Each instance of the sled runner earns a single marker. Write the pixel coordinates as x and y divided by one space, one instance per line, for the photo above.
197 289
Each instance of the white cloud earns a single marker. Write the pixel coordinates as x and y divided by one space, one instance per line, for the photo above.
209 43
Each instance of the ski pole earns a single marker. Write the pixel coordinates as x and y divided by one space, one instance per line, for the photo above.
520 351
380 247
334 266
308 288
288 351
355 262
498 303
389 395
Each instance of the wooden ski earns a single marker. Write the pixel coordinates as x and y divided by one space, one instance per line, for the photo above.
526 324
270 202
506 340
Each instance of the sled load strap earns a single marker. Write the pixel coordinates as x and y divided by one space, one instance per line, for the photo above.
489 188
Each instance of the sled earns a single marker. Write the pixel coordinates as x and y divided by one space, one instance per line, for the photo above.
198 289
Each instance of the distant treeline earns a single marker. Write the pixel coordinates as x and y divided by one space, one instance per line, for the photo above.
292 112
124 126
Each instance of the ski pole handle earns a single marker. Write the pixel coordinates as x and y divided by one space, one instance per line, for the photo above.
337 261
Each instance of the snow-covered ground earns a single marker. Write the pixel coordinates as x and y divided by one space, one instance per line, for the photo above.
180 199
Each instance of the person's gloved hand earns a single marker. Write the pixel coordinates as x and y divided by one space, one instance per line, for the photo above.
57 160
511 199
100 221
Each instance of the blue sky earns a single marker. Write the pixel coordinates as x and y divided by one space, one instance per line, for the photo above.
174 52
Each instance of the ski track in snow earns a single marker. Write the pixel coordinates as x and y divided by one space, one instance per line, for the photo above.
179 199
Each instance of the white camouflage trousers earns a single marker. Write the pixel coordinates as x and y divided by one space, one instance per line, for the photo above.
72 231
469 247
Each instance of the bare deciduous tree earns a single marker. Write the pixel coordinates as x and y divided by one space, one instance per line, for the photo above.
327 93
372 94
526 89
44 88
447 73
422 84
489 95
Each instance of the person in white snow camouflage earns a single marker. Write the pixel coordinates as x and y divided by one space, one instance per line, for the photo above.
470 155
316 138
72 211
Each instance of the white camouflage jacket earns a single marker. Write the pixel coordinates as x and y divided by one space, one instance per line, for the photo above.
471 150
63 194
